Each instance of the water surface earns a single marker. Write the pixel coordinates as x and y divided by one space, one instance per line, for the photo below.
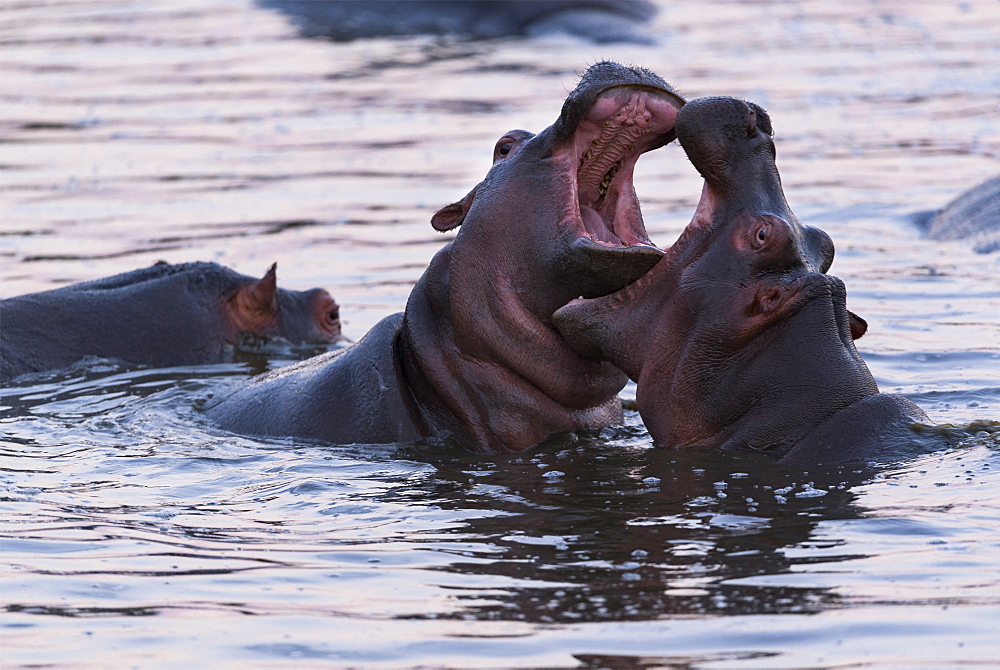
134 534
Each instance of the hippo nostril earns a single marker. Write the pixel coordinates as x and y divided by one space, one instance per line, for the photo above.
333 314
769 298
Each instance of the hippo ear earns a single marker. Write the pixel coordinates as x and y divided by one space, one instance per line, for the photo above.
858 325
261 296
453 215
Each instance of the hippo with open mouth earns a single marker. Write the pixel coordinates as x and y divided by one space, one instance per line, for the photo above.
738 339
475 358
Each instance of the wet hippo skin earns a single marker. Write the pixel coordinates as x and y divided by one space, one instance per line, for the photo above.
737 339
597 20
475 358
163 315
974 215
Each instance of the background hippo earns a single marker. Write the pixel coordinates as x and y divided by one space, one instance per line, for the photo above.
597 20
161 315
737 339
975 215
475 356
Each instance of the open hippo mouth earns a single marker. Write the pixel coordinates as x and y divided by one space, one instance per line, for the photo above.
622 123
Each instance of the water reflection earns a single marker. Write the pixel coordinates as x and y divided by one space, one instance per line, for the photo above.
133 510
600 530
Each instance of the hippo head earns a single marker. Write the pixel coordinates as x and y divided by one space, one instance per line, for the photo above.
259 310
557 215
737 337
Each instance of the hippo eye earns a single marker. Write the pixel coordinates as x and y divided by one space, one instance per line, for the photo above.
504 147
761 236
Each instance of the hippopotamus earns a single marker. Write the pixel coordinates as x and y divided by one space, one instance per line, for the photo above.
164 315
738 339
474 359
973 214
601 21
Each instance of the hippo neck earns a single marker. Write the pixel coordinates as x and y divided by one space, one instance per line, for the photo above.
774 390
487 372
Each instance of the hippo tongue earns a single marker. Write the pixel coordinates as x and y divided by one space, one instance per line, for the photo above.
594 224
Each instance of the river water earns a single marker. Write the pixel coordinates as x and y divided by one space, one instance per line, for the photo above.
133 534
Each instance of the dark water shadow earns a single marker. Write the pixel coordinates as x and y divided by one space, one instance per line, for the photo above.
605 527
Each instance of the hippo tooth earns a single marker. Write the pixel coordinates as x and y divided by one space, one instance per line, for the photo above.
608 151
602 188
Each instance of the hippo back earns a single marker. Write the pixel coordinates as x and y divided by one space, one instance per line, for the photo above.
343 20
161 315
355 395
878 428
975 214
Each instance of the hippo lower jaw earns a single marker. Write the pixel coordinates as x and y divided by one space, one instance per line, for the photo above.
616 267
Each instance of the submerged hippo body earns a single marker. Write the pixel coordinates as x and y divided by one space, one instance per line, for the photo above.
974 215
475 358
597 20
163 315
738 340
